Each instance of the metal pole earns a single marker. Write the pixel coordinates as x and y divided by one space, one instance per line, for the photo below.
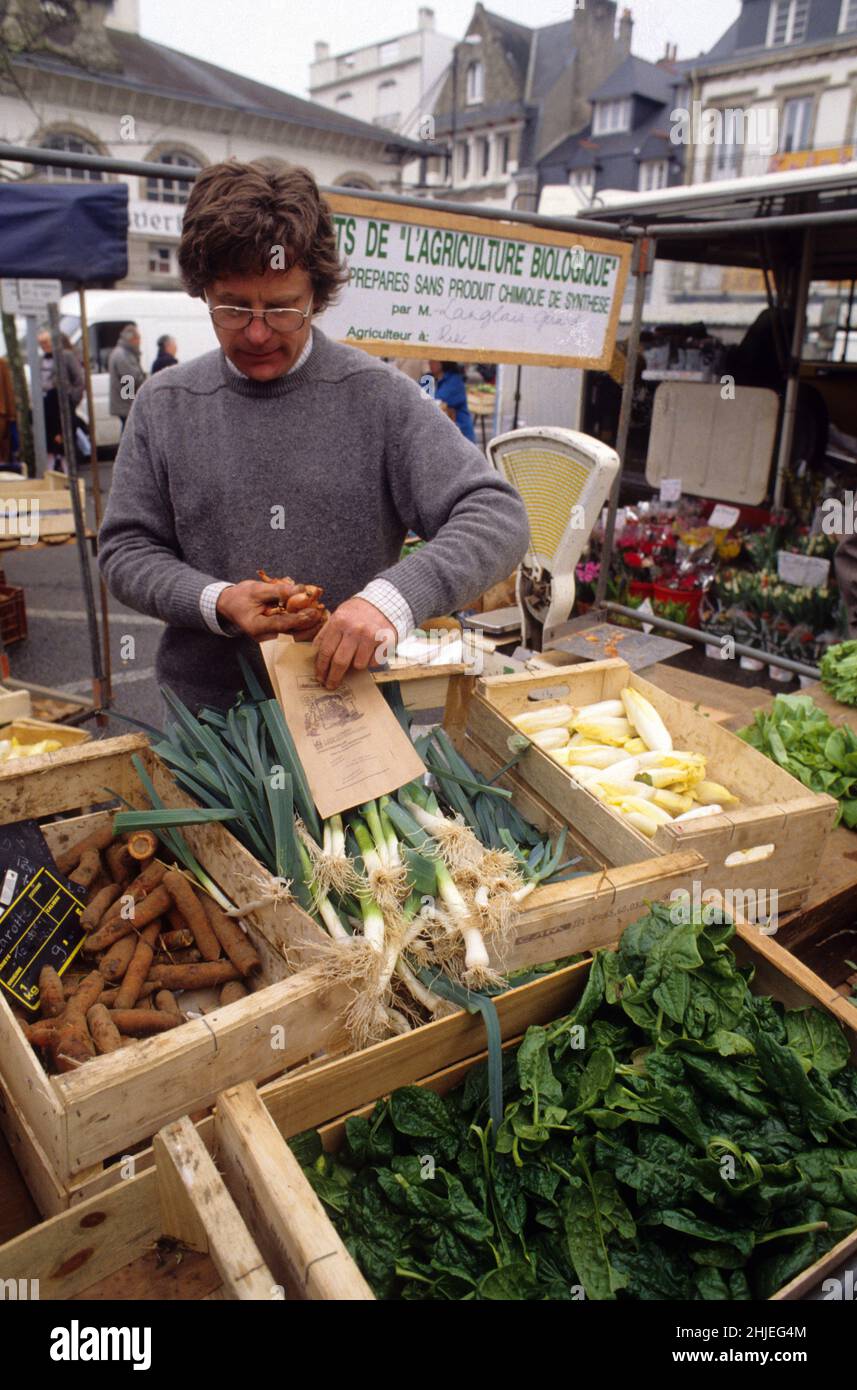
787 432
848 330
79 517
641 264
96 487
37 400
23 154
693 634
780 223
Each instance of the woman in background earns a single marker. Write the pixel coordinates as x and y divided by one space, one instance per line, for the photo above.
451 391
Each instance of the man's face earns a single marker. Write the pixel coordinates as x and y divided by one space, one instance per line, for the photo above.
45 342
257 350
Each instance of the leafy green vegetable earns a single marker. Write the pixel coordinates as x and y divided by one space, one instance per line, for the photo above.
799 736
673 1137
839 672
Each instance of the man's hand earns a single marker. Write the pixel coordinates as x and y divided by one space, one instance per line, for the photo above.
244 604
350 638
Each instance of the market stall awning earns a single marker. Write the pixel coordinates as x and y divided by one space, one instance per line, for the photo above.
64 232
698 222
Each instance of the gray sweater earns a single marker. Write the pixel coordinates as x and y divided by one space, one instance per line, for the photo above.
319 475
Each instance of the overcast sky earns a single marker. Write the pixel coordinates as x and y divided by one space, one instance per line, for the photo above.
272 40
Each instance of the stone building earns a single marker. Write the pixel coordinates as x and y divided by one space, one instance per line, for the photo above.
81 78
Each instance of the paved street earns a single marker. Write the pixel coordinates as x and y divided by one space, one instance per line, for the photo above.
57 653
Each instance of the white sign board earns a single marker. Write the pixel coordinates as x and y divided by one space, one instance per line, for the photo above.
29 296
670 489
435 285
809 571
155 219
723 518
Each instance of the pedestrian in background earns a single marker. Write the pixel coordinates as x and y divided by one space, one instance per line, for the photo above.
452 394
166 354
126 373
76 385
8 415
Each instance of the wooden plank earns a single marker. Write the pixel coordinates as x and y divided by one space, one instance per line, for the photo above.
74 777
305 1100
162 1275
77 1248
197 1209
45 1188
509 694
124 1096
586 913
810 1278
279 1205
28 1086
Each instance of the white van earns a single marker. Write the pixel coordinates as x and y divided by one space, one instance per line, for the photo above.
155 312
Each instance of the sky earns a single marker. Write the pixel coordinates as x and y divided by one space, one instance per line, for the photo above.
272 40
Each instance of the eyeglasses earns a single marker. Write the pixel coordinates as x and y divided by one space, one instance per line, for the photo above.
279 320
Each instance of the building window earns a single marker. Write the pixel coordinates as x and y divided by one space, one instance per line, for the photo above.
796 122
162 260
475 83
584 179
611 116
169 190
69 143
387 102
504 152
654 174
727 158
344 98
463 160
344 65
389 52
848 17
787 22
483 156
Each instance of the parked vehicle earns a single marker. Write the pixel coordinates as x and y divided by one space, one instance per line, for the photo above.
155 312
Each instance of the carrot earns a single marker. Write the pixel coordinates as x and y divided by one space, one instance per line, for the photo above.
72 1043
129 990
108 998
103 1030
100 881
115 962
89 866
43 1032
137 1023
51 993
236 944
191 909
231 991
142 844
120 863
193 976
97 906
178 940
145 911
68 858
143 884
165 1000
184 957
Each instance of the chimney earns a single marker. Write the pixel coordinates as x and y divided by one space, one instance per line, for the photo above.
626 30
124 15
670 55
322 51
425 17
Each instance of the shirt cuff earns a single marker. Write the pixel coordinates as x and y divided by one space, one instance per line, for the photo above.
386 598
208 608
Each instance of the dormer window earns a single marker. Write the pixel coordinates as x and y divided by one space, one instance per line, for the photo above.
609 117
475 84
787 22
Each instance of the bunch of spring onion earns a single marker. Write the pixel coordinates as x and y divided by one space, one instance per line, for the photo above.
622 752
412 891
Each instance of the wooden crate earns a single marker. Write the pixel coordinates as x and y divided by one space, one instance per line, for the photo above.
775 809
171 1232
250 1130
60 1126
52 494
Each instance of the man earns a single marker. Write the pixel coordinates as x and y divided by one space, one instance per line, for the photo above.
126 373
287 452
166 354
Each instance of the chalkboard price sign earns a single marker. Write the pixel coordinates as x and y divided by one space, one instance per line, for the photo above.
40 925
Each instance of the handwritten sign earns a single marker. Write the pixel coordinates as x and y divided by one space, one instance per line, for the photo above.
435 285
671 489
723 518
809 571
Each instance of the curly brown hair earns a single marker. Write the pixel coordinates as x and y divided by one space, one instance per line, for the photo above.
238 214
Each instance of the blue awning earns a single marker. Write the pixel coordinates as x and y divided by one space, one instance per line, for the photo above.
72 232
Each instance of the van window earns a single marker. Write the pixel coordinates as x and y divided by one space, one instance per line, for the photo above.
103 337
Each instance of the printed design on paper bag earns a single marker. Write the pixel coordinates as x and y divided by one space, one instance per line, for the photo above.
325 714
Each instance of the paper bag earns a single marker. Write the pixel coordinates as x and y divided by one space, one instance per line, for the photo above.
352 747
